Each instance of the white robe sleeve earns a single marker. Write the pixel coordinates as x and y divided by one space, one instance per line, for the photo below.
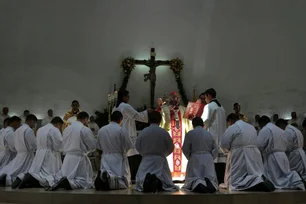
227 138
30 139
57 139
43 122
215 149
138 143
10 141
263 139
169 144
126 141
206 117
89 139
131 113
187 146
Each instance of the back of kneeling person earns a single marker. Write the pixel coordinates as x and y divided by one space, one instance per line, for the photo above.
114 142
244 167
76 172
154 144
200 149
47 160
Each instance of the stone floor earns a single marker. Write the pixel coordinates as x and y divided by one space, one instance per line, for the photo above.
37 196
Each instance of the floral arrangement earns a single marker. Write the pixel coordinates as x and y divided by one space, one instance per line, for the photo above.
128 64
176 65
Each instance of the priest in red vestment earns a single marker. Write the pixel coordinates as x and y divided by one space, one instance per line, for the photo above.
177 126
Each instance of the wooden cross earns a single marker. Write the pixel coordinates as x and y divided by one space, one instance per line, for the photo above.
152 64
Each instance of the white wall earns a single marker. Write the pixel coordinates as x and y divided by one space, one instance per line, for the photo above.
55 51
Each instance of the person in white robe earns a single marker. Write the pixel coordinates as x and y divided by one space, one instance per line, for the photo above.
295 152
215 123
7 145
5 124
271 142
200 149
47 160
25 145
93 125
48 118
24 116
130 115
4 115
76 172
154 144
244 166
114 142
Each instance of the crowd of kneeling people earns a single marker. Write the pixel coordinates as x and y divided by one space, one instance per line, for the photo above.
255 162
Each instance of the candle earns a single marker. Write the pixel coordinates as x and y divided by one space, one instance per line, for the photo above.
116 95
109 98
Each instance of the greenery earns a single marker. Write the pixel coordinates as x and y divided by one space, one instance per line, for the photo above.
128 64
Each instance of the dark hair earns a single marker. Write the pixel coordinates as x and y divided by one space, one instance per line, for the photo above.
304 123
116 116
57 120
31 117
232 117
6 121
281 122
263 120
14 119
26 111
211 92
197 121
82 115
121 93
236 104
202 94
75 101
155 117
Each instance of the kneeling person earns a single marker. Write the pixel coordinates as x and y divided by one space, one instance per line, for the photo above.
25 145
154 144
272 143
200 149
244 167
76 172
114 142
47 160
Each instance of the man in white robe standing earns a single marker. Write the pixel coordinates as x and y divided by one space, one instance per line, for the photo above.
295 152
215 123
244 166
76 172
114 171
130 115
200 149
272 143
7 144
4 125
47 159
25 145
154 144
4 115
48 118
